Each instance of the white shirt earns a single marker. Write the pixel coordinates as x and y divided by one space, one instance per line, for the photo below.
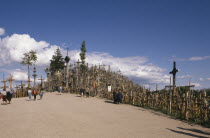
4 93
29 91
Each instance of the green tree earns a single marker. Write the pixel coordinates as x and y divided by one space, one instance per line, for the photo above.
83 56
57 62
29 59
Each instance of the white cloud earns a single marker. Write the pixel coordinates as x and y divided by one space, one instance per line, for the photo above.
20 75
13 47
134 67
184 77
198 58
138 68
196 84
195 58
201 79
208 78
2 31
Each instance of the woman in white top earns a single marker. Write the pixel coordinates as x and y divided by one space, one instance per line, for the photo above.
29 93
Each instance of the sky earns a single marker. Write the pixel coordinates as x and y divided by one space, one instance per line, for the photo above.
141 38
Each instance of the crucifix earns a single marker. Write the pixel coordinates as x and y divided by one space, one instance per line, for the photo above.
4 81
10 80
41 81
173 72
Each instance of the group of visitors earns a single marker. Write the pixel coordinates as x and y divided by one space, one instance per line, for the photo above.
34 92
84 92
6 96
117 96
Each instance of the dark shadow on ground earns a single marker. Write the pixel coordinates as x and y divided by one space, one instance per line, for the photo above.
195 130
188 134
109 102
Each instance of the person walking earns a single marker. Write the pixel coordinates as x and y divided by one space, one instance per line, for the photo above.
9 96
34 93
60 90
41 94
29 93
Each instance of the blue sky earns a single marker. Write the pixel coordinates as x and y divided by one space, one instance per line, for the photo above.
160 31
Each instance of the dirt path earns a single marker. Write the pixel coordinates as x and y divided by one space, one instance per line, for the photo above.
68 115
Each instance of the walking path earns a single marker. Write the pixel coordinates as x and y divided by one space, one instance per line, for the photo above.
68 115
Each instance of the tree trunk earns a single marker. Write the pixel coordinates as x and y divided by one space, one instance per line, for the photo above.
28 77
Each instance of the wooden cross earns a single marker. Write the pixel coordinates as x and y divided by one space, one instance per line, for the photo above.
41 81
29 84
5 83
173 72
10 81
22 85
190 85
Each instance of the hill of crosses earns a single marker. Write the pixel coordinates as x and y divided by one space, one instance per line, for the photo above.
100 81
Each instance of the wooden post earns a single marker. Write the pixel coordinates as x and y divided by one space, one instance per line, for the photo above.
10 81
34 75
41 81
4 82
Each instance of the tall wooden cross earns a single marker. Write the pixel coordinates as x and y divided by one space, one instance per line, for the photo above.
10 80
29 83
173 72
41 81
5 83
22 85
78 62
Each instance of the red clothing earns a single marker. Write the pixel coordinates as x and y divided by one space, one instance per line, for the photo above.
34 92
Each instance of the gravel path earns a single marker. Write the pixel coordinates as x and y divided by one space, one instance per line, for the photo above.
69 115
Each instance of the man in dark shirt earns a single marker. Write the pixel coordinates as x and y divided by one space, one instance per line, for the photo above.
114 96
119 97
82 91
